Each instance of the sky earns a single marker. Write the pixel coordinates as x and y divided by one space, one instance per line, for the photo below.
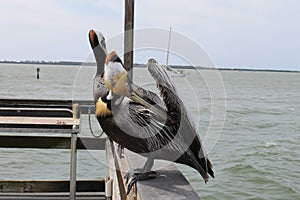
260 34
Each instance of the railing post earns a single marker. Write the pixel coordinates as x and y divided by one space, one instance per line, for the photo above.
75 130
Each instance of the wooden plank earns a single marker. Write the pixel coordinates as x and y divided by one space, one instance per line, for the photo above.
36 103
62 121
50 142
118 167
38 109
35 112
112 172
170 184
56 103
36 129
124 167
51 186
85 105
52 196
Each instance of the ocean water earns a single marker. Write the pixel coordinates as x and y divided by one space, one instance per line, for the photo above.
248 121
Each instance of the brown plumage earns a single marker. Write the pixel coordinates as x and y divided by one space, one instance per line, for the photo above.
139 129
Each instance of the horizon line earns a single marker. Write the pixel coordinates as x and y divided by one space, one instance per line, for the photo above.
77 63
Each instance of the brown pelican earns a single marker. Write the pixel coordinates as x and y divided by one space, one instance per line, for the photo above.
141 121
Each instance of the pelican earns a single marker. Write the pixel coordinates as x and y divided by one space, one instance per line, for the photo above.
141 121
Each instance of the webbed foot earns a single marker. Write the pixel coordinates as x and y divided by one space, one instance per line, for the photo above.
137 175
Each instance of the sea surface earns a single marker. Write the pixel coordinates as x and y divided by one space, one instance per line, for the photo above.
249 123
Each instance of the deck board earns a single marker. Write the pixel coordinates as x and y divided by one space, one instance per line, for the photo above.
52 196
50 142
170 183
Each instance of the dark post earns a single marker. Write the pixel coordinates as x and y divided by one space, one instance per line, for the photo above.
75 130
38 73
128 37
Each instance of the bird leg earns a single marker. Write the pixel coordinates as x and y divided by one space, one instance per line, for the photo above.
121 151
140 174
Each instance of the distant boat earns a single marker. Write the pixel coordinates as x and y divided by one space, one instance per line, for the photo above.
172 72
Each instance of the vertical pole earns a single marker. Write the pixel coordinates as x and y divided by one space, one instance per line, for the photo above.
38 73
75 130
168 52
128 37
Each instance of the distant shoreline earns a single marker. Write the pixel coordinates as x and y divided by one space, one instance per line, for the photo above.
143 65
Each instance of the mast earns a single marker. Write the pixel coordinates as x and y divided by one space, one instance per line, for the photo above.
168 51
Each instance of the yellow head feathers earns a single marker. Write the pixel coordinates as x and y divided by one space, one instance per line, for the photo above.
102 109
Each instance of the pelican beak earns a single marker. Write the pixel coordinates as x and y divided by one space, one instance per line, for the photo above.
97 42
97 39
93 39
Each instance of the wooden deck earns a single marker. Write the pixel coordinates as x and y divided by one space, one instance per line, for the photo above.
17 115
168 185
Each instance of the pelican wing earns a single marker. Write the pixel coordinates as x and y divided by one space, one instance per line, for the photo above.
187 131
175 106
140 122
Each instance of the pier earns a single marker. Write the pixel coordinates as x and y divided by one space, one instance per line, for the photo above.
63 117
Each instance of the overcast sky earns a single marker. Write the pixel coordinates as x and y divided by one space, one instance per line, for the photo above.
235 33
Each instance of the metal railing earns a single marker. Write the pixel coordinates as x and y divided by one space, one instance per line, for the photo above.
40 116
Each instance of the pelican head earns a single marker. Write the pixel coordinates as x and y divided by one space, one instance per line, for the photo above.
100 90
97 42
115 76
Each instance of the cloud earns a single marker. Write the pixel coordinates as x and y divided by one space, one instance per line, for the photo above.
196 11
241 33
234 32
52 30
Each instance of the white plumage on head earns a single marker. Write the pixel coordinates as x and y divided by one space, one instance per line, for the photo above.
115 76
